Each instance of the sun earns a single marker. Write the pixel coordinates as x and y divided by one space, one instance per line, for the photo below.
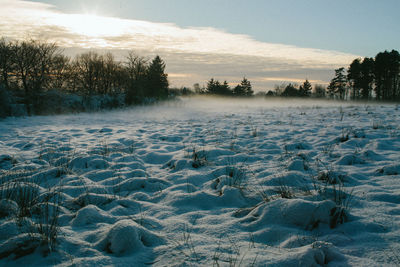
91 25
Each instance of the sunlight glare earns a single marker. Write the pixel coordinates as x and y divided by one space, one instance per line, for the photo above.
91 25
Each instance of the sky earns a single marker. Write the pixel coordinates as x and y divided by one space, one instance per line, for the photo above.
268 41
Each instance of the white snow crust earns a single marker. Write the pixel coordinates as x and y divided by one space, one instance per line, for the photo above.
209 182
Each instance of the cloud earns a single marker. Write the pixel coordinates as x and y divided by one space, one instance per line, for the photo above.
190 53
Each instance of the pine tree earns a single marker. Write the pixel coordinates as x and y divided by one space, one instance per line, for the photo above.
354 76
211 86
225 89
331 89
290 91
367 77
238 90
337 86
246 87
305 89
157 79
387 81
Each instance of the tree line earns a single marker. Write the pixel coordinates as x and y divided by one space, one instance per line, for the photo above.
369 78
215 87
244 89
29 69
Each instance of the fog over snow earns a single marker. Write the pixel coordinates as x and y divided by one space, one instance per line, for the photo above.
205 181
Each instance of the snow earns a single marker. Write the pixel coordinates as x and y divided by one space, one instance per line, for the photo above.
205 181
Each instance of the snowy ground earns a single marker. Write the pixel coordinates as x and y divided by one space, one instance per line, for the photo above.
204 182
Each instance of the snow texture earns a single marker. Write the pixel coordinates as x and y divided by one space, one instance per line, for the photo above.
203 182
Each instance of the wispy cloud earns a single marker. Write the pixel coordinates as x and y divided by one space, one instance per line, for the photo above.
191 52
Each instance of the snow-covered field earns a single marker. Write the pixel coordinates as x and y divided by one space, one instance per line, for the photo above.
203 182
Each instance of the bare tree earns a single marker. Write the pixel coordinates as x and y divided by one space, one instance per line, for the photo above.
86 72
33 60
136 68
6 62
59 72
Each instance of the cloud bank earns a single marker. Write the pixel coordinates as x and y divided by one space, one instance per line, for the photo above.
192 54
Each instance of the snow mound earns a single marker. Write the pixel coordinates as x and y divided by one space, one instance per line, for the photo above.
350 159
289 178
297 165
318 253
127 237
91 215
88 162
298 212
390 169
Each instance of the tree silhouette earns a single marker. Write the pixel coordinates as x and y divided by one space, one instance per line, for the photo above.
319 91
246 85
305 89
238 90
214 87
7 65
33 60
157 79
225 89
387 68
136 78
244 88
337 86
290 91
354 76
367 77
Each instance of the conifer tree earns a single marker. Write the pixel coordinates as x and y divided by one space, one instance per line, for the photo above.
367 77
305 89
387 81
337 86
238 90
246 87
157 79
354 76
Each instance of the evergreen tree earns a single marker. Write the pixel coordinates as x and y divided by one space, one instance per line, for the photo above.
224 89
337 85
238 90
290 91
246 85
331 90
157 79
367 77
387 68
305 89
212 86
354 76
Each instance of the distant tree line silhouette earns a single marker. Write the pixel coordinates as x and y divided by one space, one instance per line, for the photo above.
294 90
215 87
30 70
